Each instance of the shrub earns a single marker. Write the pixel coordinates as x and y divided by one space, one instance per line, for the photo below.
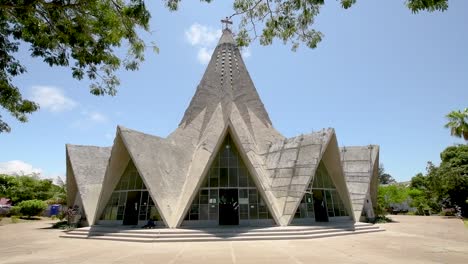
32 207
14 211
448 212
62 215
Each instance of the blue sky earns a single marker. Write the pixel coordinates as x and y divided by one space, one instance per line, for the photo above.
381 76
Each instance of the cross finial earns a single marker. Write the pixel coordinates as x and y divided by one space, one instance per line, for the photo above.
227 21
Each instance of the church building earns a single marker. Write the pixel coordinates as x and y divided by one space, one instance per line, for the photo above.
225 165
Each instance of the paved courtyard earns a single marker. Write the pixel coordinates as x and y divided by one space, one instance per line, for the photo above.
412 239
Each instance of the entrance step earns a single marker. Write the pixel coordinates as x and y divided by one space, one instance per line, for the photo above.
218 234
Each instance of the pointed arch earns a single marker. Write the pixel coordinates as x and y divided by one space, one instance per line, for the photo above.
86 167
228 182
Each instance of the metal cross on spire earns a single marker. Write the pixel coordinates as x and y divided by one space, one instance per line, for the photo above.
227 21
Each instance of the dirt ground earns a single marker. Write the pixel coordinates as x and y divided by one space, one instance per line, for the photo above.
411 239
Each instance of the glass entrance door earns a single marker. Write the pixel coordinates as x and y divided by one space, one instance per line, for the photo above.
320 206
132 207
228 207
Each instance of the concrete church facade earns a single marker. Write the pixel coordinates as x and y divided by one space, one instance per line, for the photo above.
224 165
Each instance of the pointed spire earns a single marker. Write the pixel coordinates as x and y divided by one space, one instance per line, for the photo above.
226 81
227 37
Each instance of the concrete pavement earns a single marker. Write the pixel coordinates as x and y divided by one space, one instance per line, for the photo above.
412 239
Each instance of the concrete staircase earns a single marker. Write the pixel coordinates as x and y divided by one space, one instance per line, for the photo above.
218 234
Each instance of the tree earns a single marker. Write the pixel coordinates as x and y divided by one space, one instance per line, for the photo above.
31 208
453 174
446 185
292 20
458 123
81 34
26 187
384 178
84 35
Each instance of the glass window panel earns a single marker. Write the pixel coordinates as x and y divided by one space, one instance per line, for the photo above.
215 162
223 177
243 177
214 177
213 196
336 211
244 211
113 215
154 214
316 181
122 198
243 181
224 162
144 198
303 210
214 183
225 151
233 162
253 213
194 212
204 198
138 182
243 193
205 183
204 212
213 212
233 177
252 196
251 182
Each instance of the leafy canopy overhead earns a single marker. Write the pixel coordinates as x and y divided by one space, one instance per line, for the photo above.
292 20
84 35
80 34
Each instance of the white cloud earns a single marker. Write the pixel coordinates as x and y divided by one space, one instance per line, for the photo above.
204 38
200 35
204 55
52 99
246 52
18 167
97 117
90 119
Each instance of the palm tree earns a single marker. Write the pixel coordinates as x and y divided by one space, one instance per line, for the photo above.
458 123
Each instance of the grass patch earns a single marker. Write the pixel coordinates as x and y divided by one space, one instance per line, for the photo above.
17 220
63 225
381 219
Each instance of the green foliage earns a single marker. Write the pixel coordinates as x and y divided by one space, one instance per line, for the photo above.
15 211
20 188
427 5
381 219
419 201
458 123
446 185
32 207
62 215
61 225
85 34
392 194
291 21
80 34
385 178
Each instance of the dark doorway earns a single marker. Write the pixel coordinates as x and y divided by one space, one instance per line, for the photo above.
320 206
131 208
228 207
